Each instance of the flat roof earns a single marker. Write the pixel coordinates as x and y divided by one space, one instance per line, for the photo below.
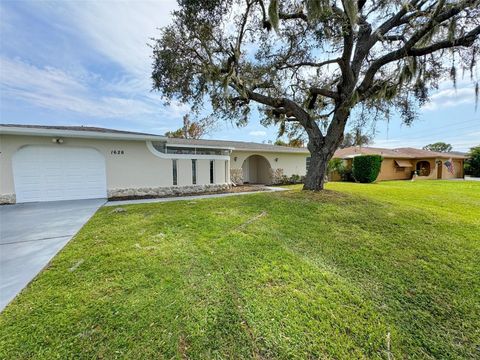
76 131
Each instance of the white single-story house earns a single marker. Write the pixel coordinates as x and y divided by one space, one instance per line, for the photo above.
47 163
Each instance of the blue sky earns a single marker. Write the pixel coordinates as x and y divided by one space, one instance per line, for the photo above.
88 63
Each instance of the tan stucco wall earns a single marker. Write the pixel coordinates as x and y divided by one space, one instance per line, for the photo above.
291 163
389 171
458 164
136 168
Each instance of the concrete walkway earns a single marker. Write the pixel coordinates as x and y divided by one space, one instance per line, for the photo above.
467 179
31 234
192 197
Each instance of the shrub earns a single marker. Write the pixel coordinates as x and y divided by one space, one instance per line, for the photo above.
295 179
236 176
366 168
347 175
336 166
472 164
277 176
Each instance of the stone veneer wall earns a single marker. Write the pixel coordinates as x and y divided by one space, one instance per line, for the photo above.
165 191
146 192
7 199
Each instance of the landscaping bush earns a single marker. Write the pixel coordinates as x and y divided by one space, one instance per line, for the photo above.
347 175
472 164
236 176
295 179
366 168
335 166
277 176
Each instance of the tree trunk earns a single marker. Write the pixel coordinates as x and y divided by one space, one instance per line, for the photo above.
322 150
317 171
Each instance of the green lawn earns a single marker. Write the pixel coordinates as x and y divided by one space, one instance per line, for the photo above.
388 270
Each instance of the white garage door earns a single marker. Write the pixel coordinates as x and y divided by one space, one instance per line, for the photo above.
48 173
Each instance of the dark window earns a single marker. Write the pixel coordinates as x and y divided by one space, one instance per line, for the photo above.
193 151
159 146
163 147
423 168
194 171
307 162
174 167
212 170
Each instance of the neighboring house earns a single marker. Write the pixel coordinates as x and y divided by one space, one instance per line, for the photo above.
45 163
399 164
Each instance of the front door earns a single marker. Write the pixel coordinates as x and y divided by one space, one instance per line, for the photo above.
439 169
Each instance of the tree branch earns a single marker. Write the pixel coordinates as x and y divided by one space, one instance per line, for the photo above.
307 63
466 40
298 15
324 92
408 50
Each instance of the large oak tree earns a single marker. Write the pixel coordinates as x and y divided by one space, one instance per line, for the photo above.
308 64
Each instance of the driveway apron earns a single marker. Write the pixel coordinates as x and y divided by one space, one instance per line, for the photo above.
31 234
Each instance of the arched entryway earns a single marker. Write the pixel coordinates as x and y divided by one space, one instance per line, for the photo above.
256 170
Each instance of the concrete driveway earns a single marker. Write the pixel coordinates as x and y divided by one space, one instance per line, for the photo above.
30 236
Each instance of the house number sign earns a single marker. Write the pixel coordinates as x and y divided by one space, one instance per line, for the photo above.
117 152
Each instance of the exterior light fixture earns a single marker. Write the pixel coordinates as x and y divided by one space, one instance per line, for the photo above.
57 141
235 158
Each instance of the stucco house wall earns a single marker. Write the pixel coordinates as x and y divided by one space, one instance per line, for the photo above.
137 171
434 164
290 163
390 171
144 169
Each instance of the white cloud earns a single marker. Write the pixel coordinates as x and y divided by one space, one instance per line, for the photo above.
120 30
448 96
56 89
257 133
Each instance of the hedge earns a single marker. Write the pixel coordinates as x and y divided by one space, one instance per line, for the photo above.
366 168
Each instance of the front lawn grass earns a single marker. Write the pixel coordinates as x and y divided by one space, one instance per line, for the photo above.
387 270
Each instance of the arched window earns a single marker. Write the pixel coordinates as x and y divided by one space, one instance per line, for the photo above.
423 168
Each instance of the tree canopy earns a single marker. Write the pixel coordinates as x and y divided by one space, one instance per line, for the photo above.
472 164
292 142
355 138
438 146
308 64
192 129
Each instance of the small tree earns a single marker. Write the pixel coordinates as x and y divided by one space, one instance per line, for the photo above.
366 168
309 64
192 129
355 138
295 142
439 147
472 164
